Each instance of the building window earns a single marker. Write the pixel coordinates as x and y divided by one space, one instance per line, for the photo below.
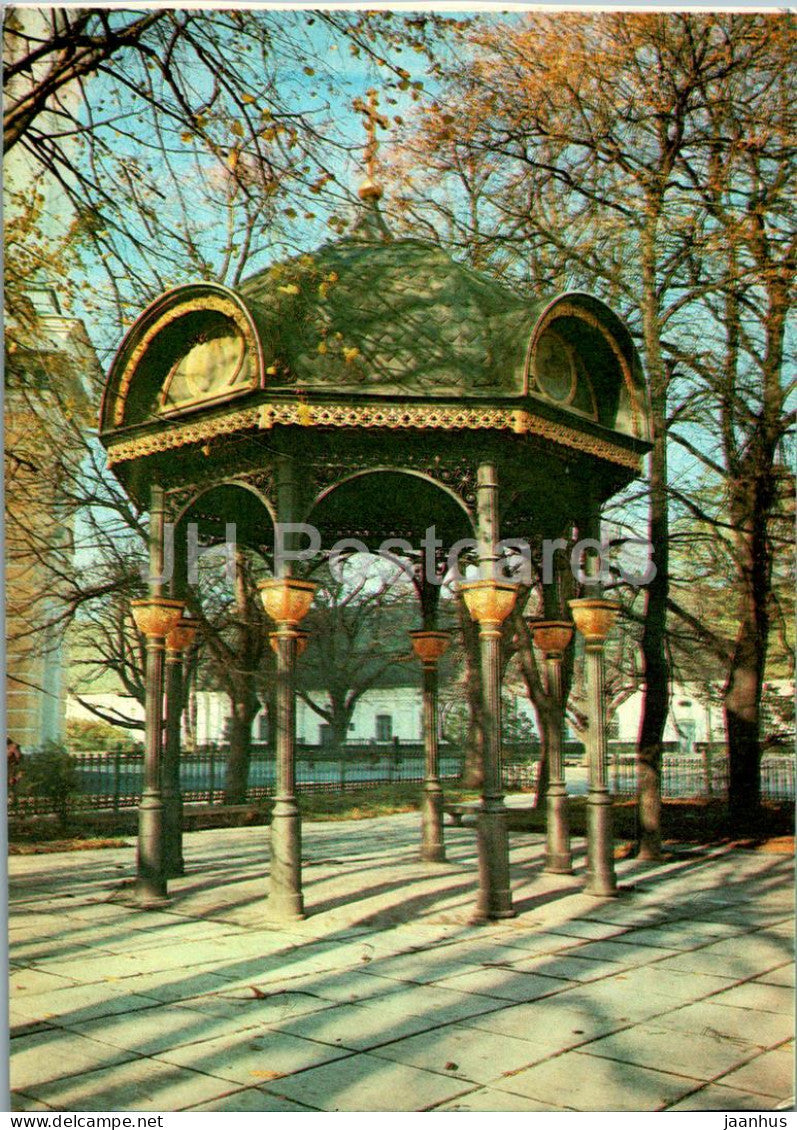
384 727
262 728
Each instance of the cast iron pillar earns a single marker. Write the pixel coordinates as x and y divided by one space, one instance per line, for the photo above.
489 602
594 618
429 646
178 642
287 601
552 637
155 616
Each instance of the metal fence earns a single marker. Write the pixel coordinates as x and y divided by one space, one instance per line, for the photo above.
113 780
702 775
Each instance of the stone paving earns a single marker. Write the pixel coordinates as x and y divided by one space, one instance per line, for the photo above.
678 995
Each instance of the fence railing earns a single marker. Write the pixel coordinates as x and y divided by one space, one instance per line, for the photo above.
702 775
114 780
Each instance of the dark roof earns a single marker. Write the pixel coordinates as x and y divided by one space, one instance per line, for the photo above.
390 316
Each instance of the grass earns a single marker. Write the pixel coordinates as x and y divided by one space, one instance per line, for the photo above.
76 843
360 804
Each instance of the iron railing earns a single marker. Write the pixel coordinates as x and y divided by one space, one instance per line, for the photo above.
113 780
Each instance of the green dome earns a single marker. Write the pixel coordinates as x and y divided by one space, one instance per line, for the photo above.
373 315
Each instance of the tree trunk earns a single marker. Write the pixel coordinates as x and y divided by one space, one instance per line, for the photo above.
746 674
543 776
339 726
237 779
650 745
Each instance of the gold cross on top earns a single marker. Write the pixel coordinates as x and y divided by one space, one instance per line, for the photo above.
372 120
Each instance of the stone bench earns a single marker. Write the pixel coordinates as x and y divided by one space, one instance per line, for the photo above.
464 808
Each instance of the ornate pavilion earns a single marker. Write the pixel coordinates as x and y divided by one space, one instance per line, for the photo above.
372 389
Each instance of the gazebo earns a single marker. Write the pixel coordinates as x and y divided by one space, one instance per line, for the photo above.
372 389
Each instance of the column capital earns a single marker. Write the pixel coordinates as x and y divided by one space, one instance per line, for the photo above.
594 617
489 602
551 636
430 645
286 599
181 636
156 616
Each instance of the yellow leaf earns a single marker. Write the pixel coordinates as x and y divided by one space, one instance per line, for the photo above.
237 129
186 136
248 98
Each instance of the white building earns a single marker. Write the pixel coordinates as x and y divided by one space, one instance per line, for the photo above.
388 713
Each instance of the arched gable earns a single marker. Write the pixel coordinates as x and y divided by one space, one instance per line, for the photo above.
196 346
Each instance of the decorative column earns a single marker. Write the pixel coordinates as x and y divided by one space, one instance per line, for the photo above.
594 617
155 617
489 602
178 641
287 601
552 637
430 646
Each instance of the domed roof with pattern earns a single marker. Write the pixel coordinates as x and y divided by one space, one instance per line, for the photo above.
374 315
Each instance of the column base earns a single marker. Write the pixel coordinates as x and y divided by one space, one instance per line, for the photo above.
144 898
558 864
432 844
151 873
280 909
558 858
495 895
285 902
601 880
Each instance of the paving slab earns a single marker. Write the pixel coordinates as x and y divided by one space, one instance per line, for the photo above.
30 981
758 996
456 1051
370 1083
549 1026
250 1057
250 1100
506 984
357 1027
784 975
170 985
143 1084
592 1083
586 928
716 1097
769 1074
169 1026
710 1018
683 935
735 966
691 1054
488 1100
80 1002
621 951
568 967
52 1054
